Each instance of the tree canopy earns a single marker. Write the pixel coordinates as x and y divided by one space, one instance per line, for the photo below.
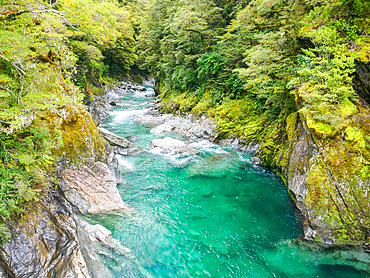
51 53
253 66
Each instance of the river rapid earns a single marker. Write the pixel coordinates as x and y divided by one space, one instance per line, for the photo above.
213 214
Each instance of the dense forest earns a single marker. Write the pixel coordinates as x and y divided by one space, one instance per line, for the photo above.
254 66
53 55
256 62
258 68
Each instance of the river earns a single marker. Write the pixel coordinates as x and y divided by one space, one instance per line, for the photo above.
214 214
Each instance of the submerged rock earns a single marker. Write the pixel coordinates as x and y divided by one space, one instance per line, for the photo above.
218 165
92 189
45 244
140 88
169 144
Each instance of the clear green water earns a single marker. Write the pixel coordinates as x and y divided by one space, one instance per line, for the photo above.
210 215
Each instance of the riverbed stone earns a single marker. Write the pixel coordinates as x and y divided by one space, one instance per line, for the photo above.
141 88
92 189
153 120
165 127
169 144
256 160
191 126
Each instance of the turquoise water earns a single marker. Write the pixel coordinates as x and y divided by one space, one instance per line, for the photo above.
209 215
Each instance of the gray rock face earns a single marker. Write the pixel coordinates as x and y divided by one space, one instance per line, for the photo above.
45 245
92 189
94 241
99 247
120 142
361 81
169 144
299 165
298 168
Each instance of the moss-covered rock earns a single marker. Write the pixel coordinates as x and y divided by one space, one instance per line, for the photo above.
81 139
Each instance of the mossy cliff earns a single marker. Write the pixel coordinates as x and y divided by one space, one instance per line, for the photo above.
326 170
46 237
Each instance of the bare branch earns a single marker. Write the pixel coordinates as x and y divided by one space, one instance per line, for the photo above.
20 94
42 10
19 70
6 89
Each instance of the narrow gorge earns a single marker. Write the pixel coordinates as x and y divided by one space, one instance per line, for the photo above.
171 138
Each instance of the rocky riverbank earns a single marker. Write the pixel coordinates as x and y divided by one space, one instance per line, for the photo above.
54 240
324 198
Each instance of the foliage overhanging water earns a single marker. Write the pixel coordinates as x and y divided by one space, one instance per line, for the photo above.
210 215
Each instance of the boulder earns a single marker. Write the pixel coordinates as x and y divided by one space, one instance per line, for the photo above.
166 127
118 141
92 189
44 244
140 88
218 165
190 126
153 120
169 144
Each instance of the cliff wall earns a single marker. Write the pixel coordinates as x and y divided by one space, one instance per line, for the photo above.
52 240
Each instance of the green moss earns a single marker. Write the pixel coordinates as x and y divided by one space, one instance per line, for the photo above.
291 121
292 195
354 134
349 236
81 139
324 130
237 119
363 53
188 103
203 105
315 183
347 108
